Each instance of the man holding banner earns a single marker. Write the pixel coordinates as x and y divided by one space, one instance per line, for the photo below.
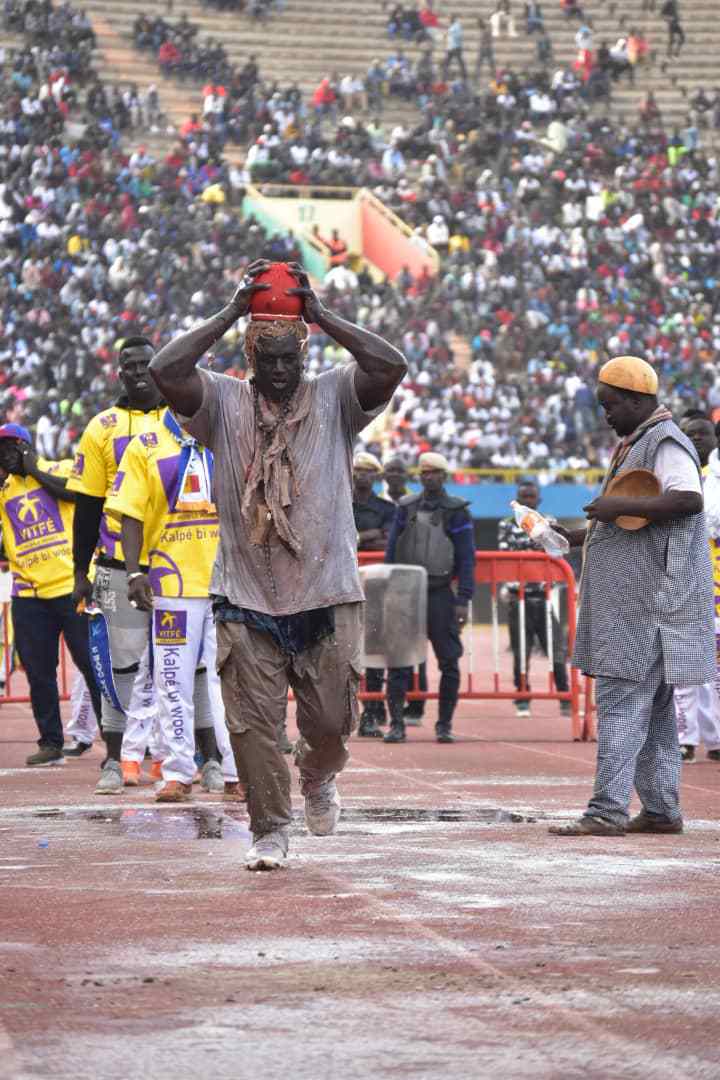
162 496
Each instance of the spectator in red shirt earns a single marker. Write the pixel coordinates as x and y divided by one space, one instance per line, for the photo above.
168 57
324 98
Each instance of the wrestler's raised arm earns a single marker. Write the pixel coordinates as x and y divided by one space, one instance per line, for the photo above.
174 367
381 367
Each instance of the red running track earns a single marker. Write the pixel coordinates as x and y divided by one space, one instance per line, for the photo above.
441 933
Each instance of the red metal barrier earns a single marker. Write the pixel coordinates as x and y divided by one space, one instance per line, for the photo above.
589 711
12 672
495 569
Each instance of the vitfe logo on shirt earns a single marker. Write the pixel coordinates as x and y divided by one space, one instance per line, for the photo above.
149 438
34 517
170 627
78 465
108 421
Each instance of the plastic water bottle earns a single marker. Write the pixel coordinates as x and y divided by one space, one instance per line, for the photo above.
540 530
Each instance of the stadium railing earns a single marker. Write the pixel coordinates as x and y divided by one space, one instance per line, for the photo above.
495 569
12 694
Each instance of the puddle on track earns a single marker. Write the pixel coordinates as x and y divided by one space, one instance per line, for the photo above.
210 823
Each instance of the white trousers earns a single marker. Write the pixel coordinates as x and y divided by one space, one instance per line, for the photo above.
183 635
141 712
83 725
697 709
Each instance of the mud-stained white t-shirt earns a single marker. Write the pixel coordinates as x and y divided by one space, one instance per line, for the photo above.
271 579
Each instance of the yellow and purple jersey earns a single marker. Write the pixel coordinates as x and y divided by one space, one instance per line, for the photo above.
37 534
98 458
181 543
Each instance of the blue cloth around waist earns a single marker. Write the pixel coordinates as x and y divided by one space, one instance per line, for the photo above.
291 633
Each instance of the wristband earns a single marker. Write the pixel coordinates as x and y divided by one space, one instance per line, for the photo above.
137 573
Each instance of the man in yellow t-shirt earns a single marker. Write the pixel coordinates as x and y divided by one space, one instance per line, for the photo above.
101 447
162 495
36 514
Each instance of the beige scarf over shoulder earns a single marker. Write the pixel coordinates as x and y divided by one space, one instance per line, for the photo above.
271 481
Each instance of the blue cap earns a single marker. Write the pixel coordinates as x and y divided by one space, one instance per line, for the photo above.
15 431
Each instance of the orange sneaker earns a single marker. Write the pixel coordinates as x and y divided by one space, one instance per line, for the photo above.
174 791
130 773
156 771
234 791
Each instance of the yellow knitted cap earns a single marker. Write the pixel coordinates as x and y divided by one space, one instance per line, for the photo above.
629 373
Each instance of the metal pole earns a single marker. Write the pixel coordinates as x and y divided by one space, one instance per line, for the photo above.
495 639
521 631
549 636
6 651
64 692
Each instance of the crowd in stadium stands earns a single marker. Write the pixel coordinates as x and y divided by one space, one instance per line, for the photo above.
562 238
258 9
97 242
177 50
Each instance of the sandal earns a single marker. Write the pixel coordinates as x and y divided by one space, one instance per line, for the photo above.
587 826
649 823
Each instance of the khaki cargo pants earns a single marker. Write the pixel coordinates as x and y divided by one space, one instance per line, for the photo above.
255 675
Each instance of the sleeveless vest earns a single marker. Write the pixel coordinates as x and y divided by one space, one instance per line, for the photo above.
425 542
648 590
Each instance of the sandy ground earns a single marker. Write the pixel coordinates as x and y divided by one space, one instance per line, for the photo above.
441 933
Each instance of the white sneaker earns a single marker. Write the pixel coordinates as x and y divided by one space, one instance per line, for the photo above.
269 851
211 778
322 806
111 779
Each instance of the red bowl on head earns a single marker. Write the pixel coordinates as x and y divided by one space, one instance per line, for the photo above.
274 303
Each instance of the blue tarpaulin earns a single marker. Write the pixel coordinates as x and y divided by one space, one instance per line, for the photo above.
493 500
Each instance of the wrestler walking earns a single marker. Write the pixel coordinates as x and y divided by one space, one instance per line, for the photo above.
288 601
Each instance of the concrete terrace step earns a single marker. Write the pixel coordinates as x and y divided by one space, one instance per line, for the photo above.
303 46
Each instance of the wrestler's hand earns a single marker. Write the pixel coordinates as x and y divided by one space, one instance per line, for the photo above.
247 288
83 590
312 308
140 594
606 508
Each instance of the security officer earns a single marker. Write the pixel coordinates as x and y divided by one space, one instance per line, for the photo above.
396 480
395 475
373 519
435 530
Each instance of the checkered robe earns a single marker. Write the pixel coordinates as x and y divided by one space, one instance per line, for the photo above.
649 589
